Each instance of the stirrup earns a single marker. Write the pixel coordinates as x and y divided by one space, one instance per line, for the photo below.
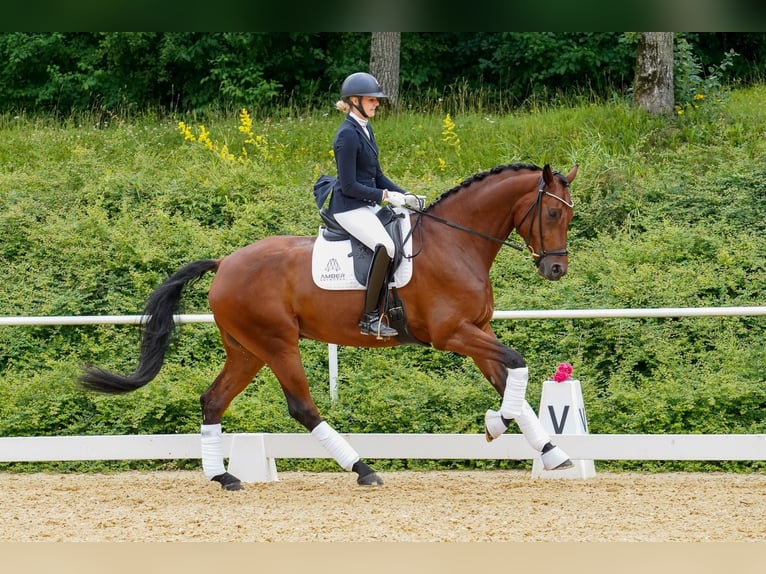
372 324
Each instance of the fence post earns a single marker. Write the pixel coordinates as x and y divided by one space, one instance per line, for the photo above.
332 359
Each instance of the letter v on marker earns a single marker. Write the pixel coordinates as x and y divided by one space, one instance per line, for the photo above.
557 428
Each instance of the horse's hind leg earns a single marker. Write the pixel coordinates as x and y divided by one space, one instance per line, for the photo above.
239 370
292 377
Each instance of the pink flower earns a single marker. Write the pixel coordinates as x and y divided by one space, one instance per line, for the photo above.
563 373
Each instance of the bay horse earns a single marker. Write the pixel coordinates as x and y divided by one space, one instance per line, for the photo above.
264 301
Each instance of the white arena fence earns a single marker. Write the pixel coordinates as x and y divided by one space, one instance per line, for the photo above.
262 449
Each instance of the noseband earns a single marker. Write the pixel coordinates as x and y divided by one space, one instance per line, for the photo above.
538 206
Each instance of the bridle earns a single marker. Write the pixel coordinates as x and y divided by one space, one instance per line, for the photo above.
537 205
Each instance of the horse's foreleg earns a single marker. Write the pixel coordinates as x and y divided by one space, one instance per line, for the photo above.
506 370
553 457
238 371
514 393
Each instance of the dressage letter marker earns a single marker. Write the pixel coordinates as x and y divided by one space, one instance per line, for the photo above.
562 411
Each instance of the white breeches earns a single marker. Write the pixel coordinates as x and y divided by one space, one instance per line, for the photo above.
363 224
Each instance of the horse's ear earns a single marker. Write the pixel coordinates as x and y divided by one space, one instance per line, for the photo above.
572 174
547 174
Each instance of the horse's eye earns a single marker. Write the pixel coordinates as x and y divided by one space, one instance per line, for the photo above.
553 213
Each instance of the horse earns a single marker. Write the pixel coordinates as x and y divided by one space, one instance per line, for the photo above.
264 301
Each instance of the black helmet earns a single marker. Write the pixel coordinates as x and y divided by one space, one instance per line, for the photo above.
361 84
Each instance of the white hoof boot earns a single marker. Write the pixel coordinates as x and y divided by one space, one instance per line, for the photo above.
493 425
556 459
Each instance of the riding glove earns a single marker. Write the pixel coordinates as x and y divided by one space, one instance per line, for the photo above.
416 201
395 198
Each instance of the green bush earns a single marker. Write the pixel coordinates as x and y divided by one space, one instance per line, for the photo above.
669 212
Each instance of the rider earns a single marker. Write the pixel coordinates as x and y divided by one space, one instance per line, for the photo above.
362 188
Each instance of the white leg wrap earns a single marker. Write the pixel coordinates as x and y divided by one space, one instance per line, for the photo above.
532 428
515 393
212 450
336 445
493 425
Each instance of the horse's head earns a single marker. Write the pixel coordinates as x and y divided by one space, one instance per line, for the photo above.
543 222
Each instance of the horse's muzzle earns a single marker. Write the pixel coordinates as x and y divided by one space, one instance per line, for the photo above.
552 268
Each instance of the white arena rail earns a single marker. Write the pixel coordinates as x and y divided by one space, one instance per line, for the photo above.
536 314
750 447
254 453
252 456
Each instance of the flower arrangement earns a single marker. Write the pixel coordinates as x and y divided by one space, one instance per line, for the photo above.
563 373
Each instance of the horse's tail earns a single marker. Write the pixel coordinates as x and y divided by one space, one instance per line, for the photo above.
157 328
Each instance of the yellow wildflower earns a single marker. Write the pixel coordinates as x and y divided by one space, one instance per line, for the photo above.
186 132
245 123
225 153
448 133
204 137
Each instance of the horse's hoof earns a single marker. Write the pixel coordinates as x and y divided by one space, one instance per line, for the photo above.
556 459
228 481
371 479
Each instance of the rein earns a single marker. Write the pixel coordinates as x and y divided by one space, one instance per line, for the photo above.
537 204
454 225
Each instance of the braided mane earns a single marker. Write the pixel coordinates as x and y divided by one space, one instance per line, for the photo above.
480 176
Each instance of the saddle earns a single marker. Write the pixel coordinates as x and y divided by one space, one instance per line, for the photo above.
362 255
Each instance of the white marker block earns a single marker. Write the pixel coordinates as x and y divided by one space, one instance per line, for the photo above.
562 411
248 460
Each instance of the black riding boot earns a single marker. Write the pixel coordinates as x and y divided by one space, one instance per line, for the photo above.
371 323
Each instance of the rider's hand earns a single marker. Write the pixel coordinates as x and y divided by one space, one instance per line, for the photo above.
395 198
416 201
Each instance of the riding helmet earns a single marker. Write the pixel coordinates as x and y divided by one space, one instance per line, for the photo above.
361 84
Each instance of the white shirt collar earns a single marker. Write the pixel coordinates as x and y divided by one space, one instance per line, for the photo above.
362 122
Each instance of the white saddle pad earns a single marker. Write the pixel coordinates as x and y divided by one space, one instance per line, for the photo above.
332 265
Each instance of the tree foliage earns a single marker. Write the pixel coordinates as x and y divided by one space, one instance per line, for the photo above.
195 71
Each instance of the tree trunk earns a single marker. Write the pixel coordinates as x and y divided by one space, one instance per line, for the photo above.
384 63
653 84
